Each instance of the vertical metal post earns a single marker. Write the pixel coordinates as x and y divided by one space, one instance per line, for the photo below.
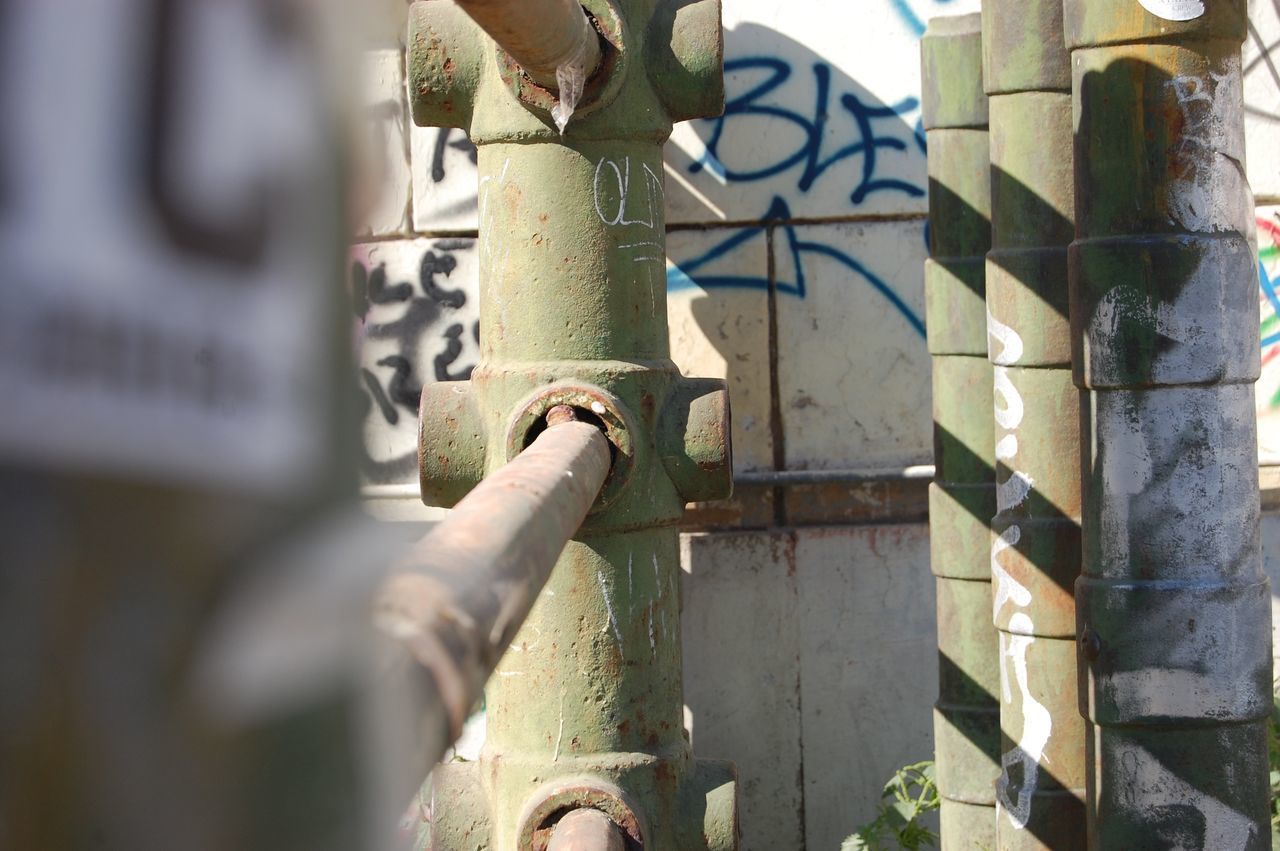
1035 542
1173 608
585 709
962 497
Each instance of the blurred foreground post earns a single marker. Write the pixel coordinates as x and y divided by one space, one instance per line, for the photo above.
174 365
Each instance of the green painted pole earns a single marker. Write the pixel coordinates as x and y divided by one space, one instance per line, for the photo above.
1035 542
585 709
1173 608
962 497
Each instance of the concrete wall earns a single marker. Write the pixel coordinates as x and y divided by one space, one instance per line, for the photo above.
795 271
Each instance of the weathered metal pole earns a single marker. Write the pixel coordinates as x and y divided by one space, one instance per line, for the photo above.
1035 542
962 497
585 710
457 598
1173 608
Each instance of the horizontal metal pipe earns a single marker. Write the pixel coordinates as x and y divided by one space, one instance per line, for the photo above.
754 478
540 35
460 595
586 830
783 478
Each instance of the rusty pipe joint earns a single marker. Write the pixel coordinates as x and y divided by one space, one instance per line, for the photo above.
557 57
453 444
449 60
549 39
589 404
543 823
692 437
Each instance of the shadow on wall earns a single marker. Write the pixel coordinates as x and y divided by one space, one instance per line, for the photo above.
799 141
755 200
1261 74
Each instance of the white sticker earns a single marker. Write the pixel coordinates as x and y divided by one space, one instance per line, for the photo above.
1174 10
163 184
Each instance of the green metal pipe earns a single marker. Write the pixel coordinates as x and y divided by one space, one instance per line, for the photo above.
1174 622
586 708
1035 543
962 496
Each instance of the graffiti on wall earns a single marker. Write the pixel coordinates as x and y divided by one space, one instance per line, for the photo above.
811 133
817 129
1268 389
914 15
417 320
842 136
792 278
763 77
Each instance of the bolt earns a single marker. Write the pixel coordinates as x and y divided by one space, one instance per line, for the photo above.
561 414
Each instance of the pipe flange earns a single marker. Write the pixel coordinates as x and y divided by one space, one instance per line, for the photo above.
603 85
593 405
554 801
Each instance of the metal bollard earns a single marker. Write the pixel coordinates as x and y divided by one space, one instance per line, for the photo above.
1174 623
1035 536
585 709
962 497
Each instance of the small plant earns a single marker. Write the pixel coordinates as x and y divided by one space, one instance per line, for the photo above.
908 795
